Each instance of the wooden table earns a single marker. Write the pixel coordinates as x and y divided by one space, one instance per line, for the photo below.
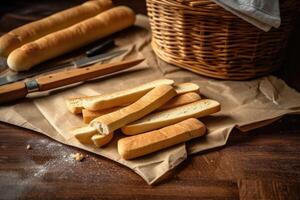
261 164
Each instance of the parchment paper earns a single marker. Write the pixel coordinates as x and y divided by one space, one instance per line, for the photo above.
246 105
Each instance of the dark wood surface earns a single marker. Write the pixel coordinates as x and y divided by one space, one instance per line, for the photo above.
261 164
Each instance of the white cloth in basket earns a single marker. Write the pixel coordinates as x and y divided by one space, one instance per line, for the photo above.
263 14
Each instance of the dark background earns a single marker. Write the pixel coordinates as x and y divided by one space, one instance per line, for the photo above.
260 164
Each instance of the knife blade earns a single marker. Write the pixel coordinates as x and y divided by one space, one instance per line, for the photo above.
91 60
81 62
107 44
20 89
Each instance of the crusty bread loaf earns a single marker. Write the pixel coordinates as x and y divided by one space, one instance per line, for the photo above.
84 134
148 103
71 38
142 144
58 21
105 101
101 140
179 100
171 116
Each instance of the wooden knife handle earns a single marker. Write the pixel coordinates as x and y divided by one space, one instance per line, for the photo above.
19 90
12 92
76 75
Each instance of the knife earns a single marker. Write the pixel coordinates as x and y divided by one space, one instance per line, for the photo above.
20 89
76 64
107 44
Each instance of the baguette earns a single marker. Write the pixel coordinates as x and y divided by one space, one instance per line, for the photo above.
71 38
58 21
124 97
171 116
183 99
142 144
148 103
101 140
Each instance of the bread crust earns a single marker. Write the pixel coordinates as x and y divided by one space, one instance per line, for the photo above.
84 134
119 98
167 117
71 38
88 115
145 105
146 143
179 100
182 88
102 140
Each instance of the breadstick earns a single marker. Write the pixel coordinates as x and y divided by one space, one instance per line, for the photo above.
179 100
148 103
101 140
89 135
58 21
182 88
167 117
125 97
71 38
84 134
88 115
142 144
120 98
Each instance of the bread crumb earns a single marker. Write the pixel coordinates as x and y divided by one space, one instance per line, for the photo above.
78 156
28 147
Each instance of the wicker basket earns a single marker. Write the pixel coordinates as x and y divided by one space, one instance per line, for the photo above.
200 36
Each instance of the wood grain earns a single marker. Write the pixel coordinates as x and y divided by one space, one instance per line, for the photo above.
12 91
18 90
261 164
75 75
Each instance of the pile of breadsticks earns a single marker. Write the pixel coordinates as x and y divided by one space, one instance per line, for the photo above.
153 116
62 32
